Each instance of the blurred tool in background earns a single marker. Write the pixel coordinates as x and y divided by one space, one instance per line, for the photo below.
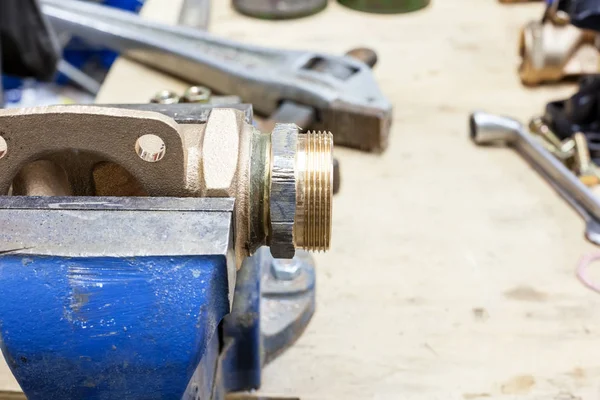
279 9
518 1
565 165
578 114
195 14
30 39
563 44
563 145
385 6
314 90
583 14
28 47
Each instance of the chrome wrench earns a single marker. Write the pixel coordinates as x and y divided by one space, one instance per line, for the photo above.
340 90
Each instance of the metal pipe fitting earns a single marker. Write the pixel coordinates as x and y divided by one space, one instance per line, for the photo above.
281 181
301 189
312 230
552 50
488 129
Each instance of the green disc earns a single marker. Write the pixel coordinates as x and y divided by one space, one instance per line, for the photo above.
385 6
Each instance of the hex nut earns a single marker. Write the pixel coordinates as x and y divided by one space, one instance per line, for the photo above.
220 152
282 199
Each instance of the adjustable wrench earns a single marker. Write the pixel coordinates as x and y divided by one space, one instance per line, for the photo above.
340 91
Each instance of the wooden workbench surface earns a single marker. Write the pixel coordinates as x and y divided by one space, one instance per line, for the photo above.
452 269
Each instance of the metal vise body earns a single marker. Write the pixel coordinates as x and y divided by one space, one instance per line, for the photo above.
164 293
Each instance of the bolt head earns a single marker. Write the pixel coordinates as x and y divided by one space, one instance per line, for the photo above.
286 270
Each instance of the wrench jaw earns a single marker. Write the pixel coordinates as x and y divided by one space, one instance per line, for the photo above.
359 112
344 95
358 126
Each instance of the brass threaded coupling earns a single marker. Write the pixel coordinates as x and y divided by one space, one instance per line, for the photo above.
314 177
301 190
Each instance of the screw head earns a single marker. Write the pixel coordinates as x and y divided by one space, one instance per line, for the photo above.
197 94
286 270
165 97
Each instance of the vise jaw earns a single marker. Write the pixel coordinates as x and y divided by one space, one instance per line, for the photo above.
160 293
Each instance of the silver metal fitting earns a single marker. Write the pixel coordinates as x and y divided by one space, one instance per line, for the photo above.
165 97
196 94
301 190
282 181
282 199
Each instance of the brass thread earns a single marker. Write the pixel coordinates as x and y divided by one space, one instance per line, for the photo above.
314 191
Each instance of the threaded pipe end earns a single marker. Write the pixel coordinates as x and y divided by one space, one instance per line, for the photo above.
314 191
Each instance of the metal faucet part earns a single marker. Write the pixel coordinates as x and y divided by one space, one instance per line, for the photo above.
490 129
552 51
282 181
344 95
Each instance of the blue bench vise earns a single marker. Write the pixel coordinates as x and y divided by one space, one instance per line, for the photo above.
155 251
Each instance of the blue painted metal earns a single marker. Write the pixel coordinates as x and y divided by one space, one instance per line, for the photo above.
109 328
242 354
207 382
84 55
